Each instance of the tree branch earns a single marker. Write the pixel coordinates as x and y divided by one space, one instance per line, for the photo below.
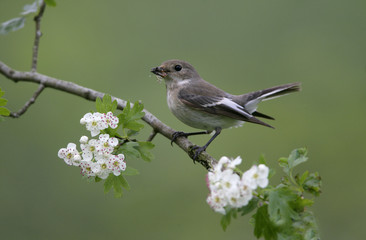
89 94
29 103
37 19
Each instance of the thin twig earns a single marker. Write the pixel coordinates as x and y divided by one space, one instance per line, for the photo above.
29 103
152 135
37 19
17 76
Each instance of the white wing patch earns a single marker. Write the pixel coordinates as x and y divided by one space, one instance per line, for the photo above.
231 104
251 106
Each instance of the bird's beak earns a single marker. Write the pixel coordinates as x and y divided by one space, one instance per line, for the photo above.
159 71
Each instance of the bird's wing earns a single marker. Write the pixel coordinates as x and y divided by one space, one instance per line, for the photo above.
219 104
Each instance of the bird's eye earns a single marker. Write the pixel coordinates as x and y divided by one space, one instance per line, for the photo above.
178 67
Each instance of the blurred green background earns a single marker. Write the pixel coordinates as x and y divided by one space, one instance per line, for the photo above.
240 46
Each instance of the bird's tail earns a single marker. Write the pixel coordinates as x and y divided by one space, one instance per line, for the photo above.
250 100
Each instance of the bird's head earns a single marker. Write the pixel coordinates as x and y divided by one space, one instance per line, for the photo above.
175 71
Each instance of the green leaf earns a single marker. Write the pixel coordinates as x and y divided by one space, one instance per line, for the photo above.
4 111
300 203
51 3
105 105
117 182
129 149
130 171
12 25
123 182
117 190
303 178
313 184
250 207
262 160
297 157
108 184
114 106
144 149
263 225
97 179
107 101
226 219
283 162
3 101
129 116
133 125
279 208
99 106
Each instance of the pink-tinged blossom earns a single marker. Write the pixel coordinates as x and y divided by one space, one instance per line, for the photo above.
70 155
116 164
111 120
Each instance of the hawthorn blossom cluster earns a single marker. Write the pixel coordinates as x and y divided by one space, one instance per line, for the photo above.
96 158
228 189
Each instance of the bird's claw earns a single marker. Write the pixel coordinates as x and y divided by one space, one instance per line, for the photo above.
176 135
198 150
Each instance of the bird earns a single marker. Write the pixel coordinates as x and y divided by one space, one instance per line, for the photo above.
201 105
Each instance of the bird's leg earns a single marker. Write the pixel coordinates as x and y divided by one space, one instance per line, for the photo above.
203 148
183 134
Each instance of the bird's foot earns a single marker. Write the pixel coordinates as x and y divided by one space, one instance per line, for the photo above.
197 151
176 135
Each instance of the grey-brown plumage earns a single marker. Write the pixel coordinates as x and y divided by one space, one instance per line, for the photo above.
202 105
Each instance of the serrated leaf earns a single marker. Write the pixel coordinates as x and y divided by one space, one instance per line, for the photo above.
279 206
144 149
226 219
51 3
263 225
3 101
99 105
117 182
313 184
4 111
107 102
250 207
114 106
303 178
297 157
262 160
108 184
97 179
123 182
12 25
300 203
135 126
1 93
129 116
129 149
130 171
117 190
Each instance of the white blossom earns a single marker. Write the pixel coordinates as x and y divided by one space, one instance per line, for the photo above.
89 149
116 164
70 155
84 140
111 120
106 144
94 122
256 176
86 168
101 169
228 189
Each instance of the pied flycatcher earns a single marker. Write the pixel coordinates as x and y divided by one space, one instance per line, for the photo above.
202 105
